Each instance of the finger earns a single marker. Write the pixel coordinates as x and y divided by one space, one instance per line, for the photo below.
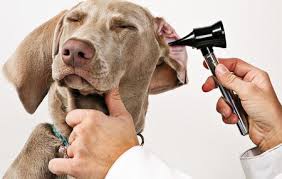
115 104
233 119
209 84
231 81
239 67
76 117
72 137
60 166
223 108
70 151
78 148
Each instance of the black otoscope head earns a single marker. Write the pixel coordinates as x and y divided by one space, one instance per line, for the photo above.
205 37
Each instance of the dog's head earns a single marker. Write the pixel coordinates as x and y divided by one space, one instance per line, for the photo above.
94 47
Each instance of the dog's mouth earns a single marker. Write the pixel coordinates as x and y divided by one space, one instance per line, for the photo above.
85 95
80 84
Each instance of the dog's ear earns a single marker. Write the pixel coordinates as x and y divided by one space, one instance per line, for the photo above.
29 68
171 71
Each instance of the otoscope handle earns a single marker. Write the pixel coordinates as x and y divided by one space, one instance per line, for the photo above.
232 99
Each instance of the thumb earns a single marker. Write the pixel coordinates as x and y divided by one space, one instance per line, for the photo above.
60 166
230 81
114 103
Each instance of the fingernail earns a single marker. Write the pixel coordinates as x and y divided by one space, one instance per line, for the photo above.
224 113
221 69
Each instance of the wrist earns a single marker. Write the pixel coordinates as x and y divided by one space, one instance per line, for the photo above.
274 136
270 141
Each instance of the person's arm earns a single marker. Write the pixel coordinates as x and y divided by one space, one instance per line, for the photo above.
107 146
262 165
264 115
138 163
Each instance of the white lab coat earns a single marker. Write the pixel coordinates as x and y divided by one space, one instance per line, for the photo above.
137 163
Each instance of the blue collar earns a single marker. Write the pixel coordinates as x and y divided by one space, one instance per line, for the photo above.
59 135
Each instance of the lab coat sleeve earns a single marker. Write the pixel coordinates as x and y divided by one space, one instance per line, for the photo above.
267 165
137 163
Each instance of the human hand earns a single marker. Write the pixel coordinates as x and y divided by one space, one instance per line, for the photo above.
258 98
97 140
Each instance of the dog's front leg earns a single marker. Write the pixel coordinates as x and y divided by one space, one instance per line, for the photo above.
32 162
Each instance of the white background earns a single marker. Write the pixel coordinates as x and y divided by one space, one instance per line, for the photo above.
182 127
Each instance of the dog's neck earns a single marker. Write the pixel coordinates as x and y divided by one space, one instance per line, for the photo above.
63 100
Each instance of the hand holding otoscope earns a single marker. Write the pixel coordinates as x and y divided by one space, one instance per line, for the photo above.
205 39
264 119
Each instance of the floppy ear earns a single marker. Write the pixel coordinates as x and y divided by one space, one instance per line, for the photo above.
29 68
171 71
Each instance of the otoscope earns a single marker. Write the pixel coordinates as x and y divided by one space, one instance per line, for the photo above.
205 39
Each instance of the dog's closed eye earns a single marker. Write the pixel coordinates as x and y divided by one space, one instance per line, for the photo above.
75 17
119 25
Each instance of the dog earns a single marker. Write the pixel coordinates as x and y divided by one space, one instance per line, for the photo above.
77 57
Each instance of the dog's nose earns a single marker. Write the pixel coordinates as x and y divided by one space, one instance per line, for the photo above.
77 53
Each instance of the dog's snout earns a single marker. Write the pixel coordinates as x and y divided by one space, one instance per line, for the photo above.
77 53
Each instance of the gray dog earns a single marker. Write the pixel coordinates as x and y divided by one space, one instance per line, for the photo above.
77 57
